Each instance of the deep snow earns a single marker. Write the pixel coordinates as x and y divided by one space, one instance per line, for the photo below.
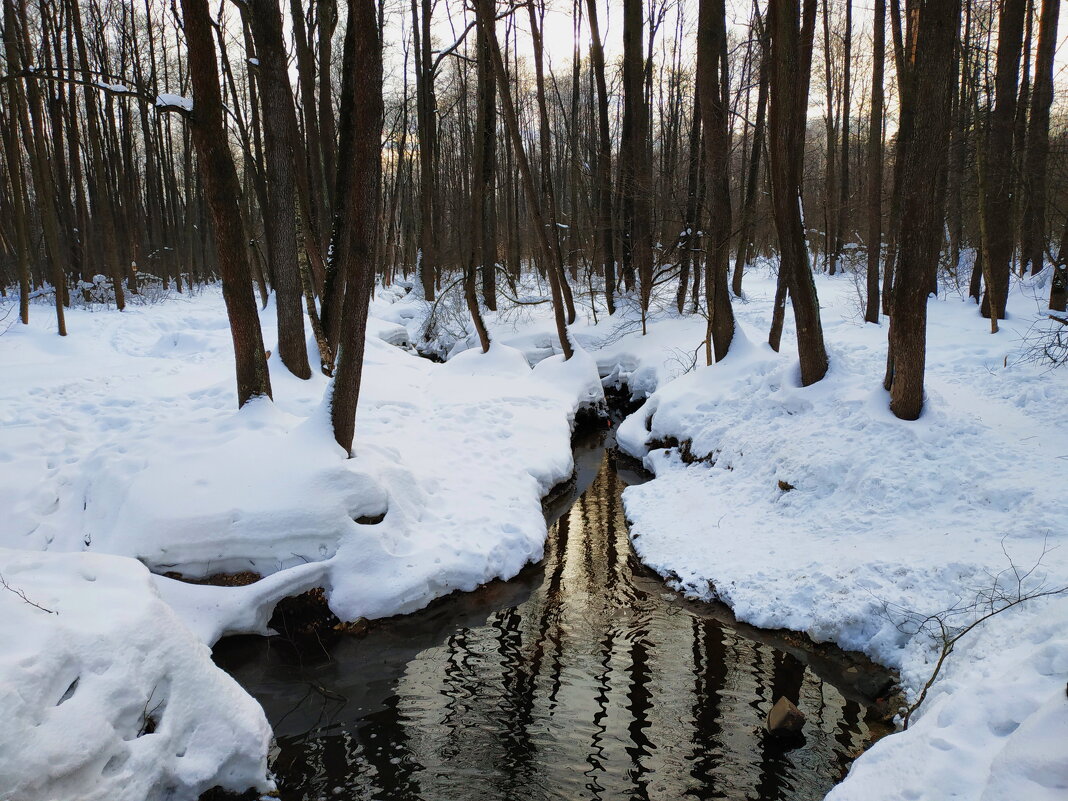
122 439
880 523
884 522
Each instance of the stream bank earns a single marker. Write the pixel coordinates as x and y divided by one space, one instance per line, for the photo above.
582 677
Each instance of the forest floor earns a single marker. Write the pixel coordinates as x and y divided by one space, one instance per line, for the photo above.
805 508
122 448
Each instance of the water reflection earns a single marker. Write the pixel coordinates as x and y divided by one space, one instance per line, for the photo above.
583 678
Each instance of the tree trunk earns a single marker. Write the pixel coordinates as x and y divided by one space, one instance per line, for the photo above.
280 155
485 195
932 73
1033 240
548 193
634 170
711 42
996 169
745 236
222 189
875 162
18 202
484 13
358 185
689 236
30 112
426 113
603 189
843 173
791 49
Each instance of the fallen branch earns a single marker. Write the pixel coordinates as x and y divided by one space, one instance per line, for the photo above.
22 595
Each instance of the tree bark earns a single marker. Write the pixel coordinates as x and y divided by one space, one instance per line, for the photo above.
359 180
745 236
791 49
996 169
1033 241
280 155
603 188
222 190
485 195
634 171
875 162
711 42
484 14
932 73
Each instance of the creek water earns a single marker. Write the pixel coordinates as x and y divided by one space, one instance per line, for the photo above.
584 677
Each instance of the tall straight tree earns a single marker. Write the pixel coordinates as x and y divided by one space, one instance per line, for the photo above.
97 187
548 192
427 120
484 15
752 181
28 108
843 173
485 194
1033 225
222 191
603 186
359 182
635 168
791 57
875 161
711 45
688 242
995 169
280 157
932 72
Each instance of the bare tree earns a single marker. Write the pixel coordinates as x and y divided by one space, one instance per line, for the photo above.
791 55
995 168
280 156
222 191
711 87
358 190
932 72
875 161
1033 223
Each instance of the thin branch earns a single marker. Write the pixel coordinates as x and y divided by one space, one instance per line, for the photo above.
22 595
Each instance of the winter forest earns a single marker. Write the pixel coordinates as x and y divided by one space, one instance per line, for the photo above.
446 400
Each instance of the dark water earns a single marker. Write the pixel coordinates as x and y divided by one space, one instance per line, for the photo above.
583 678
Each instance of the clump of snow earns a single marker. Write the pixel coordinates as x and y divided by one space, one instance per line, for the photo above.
118 88
815 509
169 100
104 694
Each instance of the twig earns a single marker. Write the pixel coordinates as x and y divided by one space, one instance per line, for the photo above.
22 595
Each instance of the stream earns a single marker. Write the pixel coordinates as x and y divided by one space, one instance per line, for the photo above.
584 677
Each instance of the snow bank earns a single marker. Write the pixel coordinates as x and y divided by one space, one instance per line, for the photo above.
615 344
104 695
123 439
815 509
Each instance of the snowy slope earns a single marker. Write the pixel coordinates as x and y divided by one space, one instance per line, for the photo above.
107 694
879 523
123 439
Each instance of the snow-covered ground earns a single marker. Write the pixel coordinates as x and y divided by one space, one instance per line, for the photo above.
106 694
879 523
122 440
815 509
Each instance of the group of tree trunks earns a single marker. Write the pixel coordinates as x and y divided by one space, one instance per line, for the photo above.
601 191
